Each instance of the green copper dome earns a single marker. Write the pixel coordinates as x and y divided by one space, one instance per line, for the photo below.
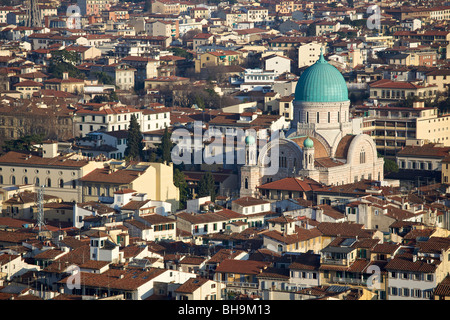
321 82
249 140
308 143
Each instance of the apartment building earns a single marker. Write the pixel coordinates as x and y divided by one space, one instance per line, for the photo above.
93 7
414 278
386 91
59 173
166 7
154 179
217 58
391 127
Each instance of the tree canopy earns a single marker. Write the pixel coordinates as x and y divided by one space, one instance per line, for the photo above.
135 144
64 61
206 186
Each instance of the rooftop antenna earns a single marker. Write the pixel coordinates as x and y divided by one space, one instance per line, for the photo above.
40 203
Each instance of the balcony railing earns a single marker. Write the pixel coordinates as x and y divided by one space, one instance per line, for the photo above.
340 262
244 285
352 281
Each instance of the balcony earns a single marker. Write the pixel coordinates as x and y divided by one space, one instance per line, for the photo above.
241 285
338 262
350 281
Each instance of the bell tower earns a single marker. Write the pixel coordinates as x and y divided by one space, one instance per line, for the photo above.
308 154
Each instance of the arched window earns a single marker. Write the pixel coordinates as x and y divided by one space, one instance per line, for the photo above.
246 183
362 156
49 182
1 179
13 180
74 184
318 117
61 183
37 182
25 180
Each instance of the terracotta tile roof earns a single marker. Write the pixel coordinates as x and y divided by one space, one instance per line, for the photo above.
16 236
6 258
306 261
28 83
386 248
76 256
342 229
129 279
242 266
23 158
230 214
12 223
398 214
274 273
95 265
224 254
121 176
342 148
443 288
201 218
153 219
406 264
386 83
292 184
300 234
134 205
331 212
192 260
191 285
49 254
249 201
419 233
434 245
319 150
430 150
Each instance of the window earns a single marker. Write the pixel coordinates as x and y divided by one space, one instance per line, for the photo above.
362 156
405 292
61 183
393 275
417 293
429 277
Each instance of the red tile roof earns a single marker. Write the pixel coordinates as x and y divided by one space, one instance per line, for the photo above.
292 184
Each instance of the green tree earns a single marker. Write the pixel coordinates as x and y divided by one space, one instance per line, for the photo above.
64 61
165 148
390 166
104 78
179 180
24 143
135 144
206 186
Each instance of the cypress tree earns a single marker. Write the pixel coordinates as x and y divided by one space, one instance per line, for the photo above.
206 186
166 147
135 144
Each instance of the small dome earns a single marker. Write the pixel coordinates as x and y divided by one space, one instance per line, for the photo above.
321 82
249 140
308 143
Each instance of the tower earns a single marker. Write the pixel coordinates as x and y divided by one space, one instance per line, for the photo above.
33 14
250 173
308 154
